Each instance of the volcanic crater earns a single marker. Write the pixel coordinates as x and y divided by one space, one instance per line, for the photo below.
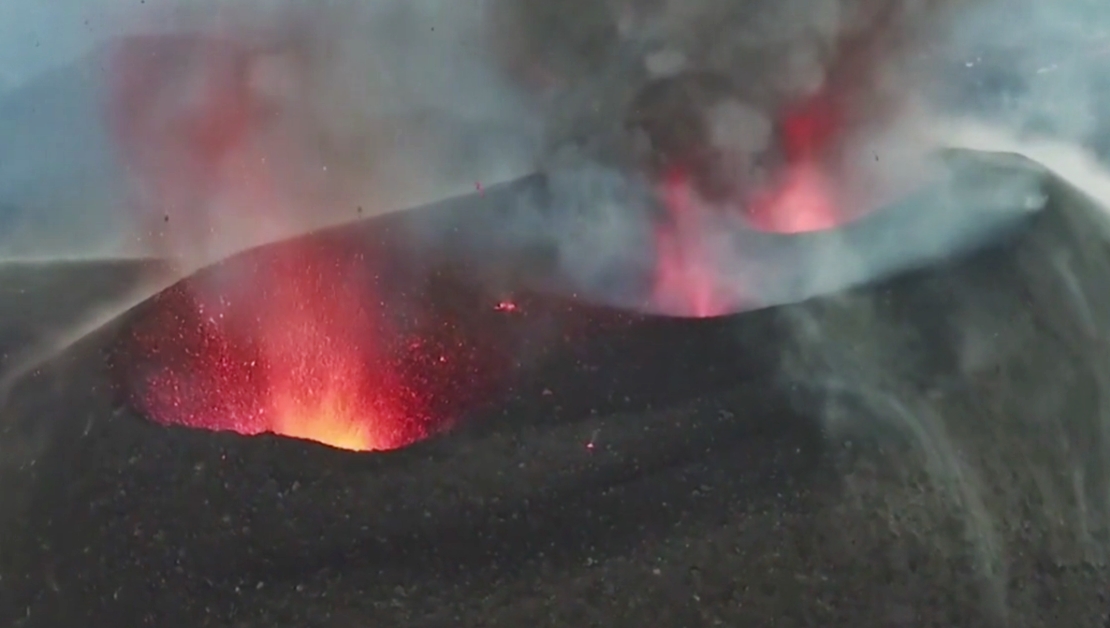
482 439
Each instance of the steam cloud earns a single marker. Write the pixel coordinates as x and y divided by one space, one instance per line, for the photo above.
248 121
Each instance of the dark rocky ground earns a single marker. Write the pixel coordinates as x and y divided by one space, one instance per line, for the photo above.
41 299
932 450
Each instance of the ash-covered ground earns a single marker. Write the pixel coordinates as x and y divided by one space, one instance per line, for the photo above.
928 450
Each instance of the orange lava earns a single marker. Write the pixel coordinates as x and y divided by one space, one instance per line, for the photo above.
320 349
330 420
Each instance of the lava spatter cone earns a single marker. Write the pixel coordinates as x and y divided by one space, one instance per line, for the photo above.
587 428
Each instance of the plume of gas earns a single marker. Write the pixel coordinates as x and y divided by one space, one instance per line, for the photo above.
270 120
915 85
244 122
1024 78
843 60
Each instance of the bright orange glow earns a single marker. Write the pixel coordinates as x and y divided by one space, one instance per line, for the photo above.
321 350
328 418
296 345
303 343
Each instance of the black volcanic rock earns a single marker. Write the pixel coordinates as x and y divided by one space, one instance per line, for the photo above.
925 450
44 300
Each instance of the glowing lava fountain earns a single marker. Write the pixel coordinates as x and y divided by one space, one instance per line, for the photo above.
305 340
695 270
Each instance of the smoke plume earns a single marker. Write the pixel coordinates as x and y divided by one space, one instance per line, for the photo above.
215 126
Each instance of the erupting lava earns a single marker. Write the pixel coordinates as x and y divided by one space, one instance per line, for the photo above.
695 274
317 346
301 343
293 340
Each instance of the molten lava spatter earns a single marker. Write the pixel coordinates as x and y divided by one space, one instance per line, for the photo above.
302 344
295 343
696 272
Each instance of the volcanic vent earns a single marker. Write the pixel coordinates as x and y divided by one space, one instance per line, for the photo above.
314 339
378 335
656 451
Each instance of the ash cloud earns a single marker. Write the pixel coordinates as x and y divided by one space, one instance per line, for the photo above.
227 124
266 122
230 124
636 87
379 105
387 104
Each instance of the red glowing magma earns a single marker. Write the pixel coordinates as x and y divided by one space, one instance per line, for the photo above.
690 277
300 343
297 342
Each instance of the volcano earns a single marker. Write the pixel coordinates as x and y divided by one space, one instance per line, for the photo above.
374 425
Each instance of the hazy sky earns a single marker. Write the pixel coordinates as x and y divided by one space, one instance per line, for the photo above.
38 34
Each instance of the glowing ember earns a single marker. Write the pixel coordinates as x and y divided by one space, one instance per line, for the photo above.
318 347
294 342
695 273
303 347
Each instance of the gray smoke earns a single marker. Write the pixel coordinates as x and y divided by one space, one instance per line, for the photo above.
385 104
1026 78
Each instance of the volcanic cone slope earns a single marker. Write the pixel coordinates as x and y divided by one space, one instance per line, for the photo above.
930 449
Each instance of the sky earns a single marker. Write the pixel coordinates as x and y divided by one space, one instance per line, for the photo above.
37 34
61 186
